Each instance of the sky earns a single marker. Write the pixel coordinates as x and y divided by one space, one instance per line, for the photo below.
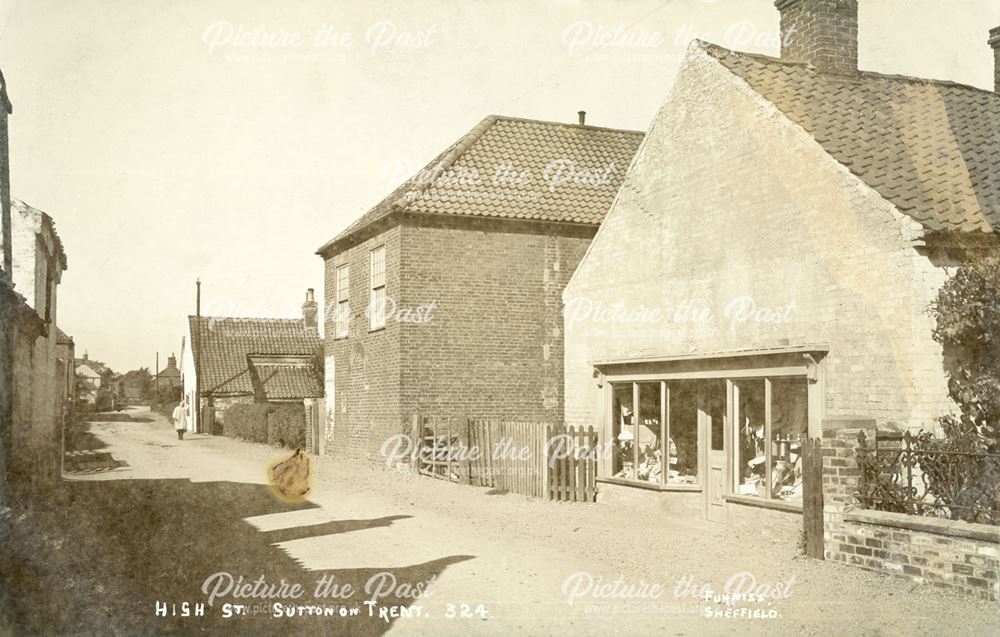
229 139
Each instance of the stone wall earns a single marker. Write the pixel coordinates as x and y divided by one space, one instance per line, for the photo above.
730 203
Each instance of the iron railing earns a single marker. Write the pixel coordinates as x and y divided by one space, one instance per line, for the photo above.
911 473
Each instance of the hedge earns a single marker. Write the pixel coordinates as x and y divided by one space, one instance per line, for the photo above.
286 426
247 422
281 425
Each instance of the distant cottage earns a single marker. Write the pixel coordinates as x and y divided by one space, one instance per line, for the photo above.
169 376
247 360
445 297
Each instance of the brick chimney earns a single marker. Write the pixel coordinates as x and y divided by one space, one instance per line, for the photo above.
310 309
823 33
172 362
994 42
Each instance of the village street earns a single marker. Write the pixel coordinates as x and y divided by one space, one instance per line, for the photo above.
176 512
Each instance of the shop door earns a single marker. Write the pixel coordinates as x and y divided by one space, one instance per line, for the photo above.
712 430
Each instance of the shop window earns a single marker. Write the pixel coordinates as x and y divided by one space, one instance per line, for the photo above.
683 431
789 424
623 432
751 432
771 419
649 448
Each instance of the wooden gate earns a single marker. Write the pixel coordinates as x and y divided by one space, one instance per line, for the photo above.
572 464
439 449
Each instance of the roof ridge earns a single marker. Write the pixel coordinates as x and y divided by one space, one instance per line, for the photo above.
512 118
715 49
246 318
452 155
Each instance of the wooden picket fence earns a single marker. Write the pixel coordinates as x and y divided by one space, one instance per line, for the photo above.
510 456
572 464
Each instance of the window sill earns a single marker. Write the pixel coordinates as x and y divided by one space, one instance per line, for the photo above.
764 503
650 486
376 329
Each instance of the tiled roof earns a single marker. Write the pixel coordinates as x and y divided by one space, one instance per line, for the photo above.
224 345
285 379
515 168
62 337
931 148
95 365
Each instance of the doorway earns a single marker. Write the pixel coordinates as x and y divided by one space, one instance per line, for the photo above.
712 429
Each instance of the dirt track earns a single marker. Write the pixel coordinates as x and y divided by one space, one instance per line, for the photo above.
116 542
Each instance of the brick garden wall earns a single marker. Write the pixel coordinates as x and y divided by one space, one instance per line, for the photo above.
946 553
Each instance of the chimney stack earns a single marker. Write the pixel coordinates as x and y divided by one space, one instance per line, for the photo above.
172 362
994 42
310 309
583 117
823 33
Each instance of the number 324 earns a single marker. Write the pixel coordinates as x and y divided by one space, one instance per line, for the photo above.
464 611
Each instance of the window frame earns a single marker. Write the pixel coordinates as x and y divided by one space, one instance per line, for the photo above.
373 311
342 301
797 363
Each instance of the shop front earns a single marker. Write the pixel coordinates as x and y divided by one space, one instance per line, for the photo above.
730 426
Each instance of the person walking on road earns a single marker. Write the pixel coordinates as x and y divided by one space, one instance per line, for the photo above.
180 418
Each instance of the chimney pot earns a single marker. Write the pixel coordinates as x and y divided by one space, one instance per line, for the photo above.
823 33
583 117
994 42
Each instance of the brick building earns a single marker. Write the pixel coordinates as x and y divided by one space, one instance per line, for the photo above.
444 298
772 255
246 360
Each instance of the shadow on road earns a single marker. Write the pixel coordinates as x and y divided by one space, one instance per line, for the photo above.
101 553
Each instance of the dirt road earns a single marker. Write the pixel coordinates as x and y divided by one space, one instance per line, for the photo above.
178 516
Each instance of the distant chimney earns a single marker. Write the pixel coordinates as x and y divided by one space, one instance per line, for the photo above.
583 117
823 33
310 309
85 356
994 42
172 362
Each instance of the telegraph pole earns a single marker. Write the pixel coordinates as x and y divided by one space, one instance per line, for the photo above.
157 370
196 337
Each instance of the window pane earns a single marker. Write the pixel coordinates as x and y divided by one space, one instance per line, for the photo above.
751 469
648 437
789 422
623 432
343 283
378 267
683 435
